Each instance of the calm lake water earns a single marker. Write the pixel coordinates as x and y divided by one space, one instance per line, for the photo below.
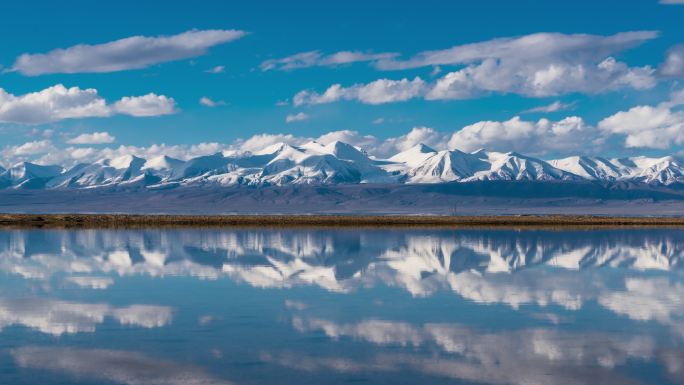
226 306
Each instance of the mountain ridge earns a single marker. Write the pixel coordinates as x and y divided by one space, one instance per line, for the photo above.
334 163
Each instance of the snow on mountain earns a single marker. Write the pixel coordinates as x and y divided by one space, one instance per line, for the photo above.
425 165
202 165
162 163
514 166
293 165
28 175
590 168
346 152
663 171
371 170
339 163
444 166
105 172
414 156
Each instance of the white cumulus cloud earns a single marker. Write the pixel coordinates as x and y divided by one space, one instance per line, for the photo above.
553 107
298 117
660 126
216 70
566 135
32 148
130 53
59 102
257 142
146 105
45 152
533 48
94 138
376 92
208 102
552 79
351 137
51 104
647 126
318 59
425 135
673 66
536 65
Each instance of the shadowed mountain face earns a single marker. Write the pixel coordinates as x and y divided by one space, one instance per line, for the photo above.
311 306
339 163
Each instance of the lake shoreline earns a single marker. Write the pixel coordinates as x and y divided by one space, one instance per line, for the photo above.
349 221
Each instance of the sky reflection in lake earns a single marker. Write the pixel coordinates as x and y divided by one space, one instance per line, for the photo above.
224 306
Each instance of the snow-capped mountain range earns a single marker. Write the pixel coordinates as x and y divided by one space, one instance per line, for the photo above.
338 163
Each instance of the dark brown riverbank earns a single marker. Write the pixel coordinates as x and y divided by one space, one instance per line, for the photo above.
122 220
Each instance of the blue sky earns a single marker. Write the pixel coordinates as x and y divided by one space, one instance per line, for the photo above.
506 78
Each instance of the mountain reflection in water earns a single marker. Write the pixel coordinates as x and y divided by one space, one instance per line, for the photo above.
217 306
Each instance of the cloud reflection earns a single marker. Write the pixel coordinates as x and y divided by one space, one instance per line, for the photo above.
62 317
124 367
97 283
513 268
529 356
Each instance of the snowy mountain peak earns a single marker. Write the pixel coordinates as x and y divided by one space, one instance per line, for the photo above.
515 166
592 168
162 162
27 170
273 148
447 166
423 148
414 156
122 162
665 170
346 151
338 162
313 146
28 175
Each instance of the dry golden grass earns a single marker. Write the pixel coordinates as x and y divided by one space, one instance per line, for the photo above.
123 220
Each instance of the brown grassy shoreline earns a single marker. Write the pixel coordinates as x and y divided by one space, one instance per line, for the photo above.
348 221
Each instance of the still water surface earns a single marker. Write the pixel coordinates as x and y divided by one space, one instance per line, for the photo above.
226 306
